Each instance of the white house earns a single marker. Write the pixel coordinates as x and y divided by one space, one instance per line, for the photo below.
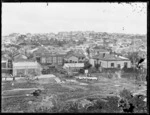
110 61
73 66
98 50
26 67
6 65
75 58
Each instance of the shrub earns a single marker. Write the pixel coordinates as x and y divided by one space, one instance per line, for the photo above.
48 104
87 65
132 103
97 66
70 107
93 70
126 94
81 71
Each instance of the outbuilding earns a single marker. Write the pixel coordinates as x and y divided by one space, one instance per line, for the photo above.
26 67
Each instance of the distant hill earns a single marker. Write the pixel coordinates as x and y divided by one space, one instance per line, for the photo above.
67 37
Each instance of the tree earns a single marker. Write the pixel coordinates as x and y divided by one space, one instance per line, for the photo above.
87 65
97 66
134 57
88 51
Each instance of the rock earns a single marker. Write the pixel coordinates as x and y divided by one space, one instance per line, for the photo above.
30 102
51 100
36 92
145 100
84 104
27 94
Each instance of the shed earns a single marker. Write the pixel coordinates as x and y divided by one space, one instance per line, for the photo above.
23 68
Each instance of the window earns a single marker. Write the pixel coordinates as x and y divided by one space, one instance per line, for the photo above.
59 59
118 65
9 65
38 59
3 65
103 55
43 60
95 62
20 72
125 64
100 64
31 71
49 60
54 60
112 64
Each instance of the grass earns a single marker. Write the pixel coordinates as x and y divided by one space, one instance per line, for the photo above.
65 92
7 85
16 104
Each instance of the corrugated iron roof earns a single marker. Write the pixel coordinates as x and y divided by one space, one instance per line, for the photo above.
109 57
24 60
25 64
75 54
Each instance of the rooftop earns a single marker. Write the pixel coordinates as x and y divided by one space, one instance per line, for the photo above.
100 48
76 54
110 57
26 64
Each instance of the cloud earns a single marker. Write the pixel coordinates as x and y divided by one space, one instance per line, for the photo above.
38 17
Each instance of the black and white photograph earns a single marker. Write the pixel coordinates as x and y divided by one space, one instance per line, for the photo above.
74 57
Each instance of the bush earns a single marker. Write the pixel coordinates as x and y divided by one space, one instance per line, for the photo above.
48 104
132 103
87 65
70 107
93 70
130 70
81 71
126 94
97 66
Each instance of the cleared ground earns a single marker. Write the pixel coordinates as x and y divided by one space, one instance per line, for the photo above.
66 90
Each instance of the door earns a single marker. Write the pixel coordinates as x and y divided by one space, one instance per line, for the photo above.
118 66
38 59
125 64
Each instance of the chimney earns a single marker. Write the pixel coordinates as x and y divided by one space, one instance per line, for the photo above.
103 55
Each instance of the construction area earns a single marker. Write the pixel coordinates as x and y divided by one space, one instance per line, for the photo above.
54 94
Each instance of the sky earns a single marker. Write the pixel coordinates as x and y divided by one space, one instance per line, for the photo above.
56 17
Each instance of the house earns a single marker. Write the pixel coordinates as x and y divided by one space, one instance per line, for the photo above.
44 56
142 54
26 67
73 66
110 61
144 63
74 57
6 65
52 58
98 50
23 66
19 56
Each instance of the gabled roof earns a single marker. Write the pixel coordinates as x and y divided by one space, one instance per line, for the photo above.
67 65
76 54
25 64
100 49
110 57
53 54
41 49
20 56
24 60
5 57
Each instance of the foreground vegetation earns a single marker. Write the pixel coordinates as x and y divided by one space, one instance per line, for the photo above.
108 95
